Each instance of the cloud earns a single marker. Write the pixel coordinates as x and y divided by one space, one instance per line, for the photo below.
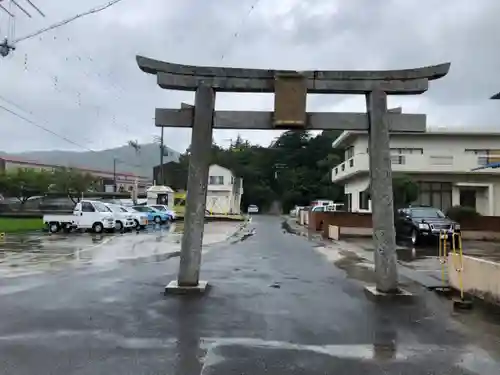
81 80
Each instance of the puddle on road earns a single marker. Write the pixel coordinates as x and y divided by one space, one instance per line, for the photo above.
40 252
354 267
411 254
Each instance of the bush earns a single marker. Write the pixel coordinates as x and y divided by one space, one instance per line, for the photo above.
459 213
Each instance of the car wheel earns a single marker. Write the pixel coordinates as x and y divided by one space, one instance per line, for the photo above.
137 225
54 227
415 237
97 228
119 226
157 219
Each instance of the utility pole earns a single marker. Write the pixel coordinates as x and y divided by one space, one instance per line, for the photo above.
114 175
161 182
7 45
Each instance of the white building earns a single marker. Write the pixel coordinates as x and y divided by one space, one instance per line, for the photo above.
224 191
441 163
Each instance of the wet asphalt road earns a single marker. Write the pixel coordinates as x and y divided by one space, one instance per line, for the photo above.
276 307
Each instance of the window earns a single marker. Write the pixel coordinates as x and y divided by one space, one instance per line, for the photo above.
468 198
216 180
480 152
101 207
348 198
398 159
407 151
349 152
364 200
435 194
485 156
426 213
87 207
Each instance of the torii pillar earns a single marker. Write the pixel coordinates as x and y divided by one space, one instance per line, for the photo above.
290 89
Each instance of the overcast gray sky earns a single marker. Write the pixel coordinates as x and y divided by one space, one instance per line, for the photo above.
81 80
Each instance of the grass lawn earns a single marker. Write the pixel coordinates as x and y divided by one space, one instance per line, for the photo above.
17 225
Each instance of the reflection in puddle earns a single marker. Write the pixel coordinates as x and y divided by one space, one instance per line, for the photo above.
33 253
385 336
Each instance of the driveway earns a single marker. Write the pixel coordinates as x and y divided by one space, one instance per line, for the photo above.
277 306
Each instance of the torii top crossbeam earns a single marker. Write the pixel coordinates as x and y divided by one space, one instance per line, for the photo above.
394 82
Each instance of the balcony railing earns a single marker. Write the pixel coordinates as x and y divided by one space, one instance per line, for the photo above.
464 163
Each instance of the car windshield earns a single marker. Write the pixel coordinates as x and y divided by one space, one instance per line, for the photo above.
160 208
427 213
142 209
123 209
101 207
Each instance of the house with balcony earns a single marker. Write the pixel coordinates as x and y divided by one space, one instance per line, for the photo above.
442 163
224 191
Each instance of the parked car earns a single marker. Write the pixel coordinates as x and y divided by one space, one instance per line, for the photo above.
423 223
253 209
328 208
154 215
140 218
166 209
123 219
87 214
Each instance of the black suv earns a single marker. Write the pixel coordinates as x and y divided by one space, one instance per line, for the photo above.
422 222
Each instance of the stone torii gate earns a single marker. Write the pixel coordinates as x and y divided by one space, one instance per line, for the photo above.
290 89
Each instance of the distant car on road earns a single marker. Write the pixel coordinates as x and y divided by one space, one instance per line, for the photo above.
253 209
166 209
423 223
154 215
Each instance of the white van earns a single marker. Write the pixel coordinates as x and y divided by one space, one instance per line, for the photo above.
87 214
123 220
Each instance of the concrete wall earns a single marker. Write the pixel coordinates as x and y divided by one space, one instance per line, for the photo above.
480 277
360 224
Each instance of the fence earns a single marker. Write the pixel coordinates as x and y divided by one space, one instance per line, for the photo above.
352 223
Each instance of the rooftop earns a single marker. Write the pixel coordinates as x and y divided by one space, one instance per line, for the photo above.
347 137
38 164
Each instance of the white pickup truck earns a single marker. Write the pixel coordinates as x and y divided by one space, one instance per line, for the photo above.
87 214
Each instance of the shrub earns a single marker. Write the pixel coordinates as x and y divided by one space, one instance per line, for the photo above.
459 213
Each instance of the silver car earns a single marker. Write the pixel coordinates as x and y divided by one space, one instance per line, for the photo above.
253 209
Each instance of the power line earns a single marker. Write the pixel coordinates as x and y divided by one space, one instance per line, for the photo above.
68 20
36 8
57 134
236 34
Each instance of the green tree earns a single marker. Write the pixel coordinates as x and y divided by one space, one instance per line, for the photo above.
25 183
295 169
73 183
405 191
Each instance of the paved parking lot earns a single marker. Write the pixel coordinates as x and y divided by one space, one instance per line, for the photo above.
43 252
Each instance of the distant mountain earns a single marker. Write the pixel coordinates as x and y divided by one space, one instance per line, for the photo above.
128 161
